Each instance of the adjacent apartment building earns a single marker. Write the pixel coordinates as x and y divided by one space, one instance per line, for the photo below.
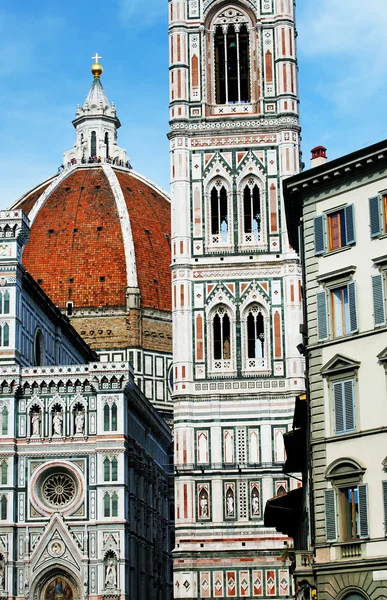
338 212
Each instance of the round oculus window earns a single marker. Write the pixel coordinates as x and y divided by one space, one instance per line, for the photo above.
57 487
59 490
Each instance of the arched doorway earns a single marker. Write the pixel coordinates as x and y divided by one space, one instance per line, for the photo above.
56 584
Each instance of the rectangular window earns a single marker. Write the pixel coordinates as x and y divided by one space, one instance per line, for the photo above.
340 226
344 406
343 310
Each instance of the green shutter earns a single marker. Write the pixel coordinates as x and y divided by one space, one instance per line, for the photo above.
363 510
353 325
384 483
319 235
349 405
375 220
338 405
322 316
330 515
378 296
350 224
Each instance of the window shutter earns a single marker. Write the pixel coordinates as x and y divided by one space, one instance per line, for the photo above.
350 224
330 515
352 307
349 405
319 235
378 294
375 221
338 401
322 316
385 506
363 510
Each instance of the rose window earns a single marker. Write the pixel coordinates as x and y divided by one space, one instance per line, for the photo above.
59 489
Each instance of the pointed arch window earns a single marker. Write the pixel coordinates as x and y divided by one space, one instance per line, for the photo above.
4 421
93 144
106 469
107 144
110 417
219 214
3 508
106 505
221 340
255 338
4 472
251 213
232 84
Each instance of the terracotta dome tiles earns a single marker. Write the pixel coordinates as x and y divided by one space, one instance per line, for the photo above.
76 249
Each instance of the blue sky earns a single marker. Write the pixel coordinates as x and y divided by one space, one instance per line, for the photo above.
45 55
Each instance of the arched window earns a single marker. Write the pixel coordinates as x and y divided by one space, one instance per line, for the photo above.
232 64
110 417
114 469
221 335
114 505
219 214
38 349
4 472
3 508
6 303
106 505
107 144
106 418
4 421
6 335
93 144
255 345
106 469
114 417
251 213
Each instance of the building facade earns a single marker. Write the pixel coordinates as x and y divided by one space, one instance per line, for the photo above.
84 487
234 135
100 248
341 206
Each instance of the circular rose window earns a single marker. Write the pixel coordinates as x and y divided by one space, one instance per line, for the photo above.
57 487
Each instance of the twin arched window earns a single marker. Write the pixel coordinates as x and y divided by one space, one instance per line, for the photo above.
232 64
254 339
249 214
110 504
110 469
110 417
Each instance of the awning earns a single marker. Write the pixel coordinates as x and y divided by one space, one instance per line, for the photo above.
284 512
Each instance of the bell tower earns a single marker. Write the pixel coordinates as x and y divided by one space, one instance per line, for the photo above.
234 135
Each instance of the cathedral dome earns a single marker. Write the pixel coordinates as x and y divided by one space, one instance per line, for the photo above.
98 233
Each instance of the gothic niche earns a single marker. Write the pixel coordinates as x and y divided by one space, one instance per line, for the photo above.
57 420
110 570
230 502
255 501
204 512
36 421
79 419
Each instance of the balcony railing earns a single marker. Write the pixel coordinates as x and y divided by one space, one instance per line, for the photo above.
352 550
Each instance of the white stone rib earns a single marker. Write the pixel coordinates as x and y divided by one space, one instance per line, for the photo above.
126 228
42 199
